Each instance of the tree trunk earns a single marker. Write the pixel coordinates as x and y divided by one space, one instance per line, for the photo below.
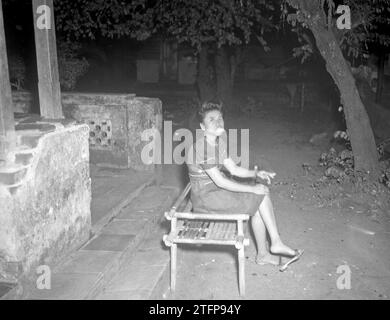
205 77
358 123
224 79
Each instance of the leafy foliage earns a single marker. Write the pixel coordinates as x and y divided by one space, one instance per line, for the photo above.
17 71
385 176
109 18
370 20
337 165
222 22
70 66
340 165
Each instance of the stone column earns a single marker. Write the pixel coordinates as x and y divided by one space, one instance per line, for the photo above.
46 51
7 124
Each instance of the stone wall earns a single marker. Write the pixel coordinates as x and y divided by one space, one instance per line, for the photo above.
116 122
45 196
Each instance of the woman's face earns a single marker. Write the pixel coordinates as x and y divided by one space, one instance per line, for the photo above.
213 123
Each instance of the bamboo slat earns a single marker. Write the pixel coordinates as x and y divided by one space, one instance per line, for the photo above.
225 230
209 231
211 216
213 230
230 231
207 241
197 234
222 231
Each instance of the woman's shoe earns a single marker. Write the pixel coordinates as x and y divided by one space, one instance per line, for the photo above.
297 255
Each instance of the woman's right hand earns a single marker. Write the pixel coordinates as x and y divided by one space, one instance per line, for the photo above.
260 189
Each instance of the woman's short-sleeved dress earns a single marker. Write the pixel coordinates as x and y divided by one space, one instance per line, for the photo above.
206 196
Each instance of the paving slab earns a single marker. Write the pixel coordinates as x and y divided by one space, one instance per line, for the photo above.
69 286
88 261
129 213
110 242
112 189
152 198
153 243
125 227
151 257
125 295
135 277
5 288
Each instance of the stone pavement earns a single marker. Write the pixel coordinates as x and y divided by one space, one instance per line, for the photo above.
116 263
112 189
141 273
5 288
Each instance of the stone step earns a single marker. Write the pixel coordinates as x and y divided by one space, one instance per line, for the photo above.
23 149
24 158
29 141
13 188
12 174
40 127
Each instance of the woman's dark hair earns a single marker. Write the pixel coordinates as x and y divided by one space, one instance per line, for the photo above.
207 107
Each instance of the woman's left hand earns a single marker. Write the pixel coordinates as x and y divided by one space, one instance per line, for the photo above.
265 175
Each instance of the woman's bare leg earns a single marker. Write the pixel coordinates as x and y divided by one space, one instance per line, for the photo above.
268 216
260 233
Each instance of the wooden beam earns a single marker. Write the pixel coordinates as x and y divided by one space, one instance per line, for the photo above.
46 52
7 123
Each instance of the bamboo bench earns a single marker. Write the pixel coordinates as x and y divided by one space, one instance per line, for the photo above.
204 229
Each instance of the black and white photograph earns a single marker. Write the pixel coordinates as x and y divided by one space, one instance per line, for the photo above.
194 150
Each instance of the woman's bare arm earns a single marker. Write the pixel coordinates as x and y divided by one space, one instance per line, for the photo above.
237 171
221 181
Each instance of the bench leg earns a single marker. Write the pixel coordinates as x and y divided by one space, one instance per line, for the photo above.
173 266
241 271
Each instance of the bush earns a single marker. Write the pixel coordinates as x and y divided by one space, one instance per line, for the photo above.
385 176
340 165
71 66
17 71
